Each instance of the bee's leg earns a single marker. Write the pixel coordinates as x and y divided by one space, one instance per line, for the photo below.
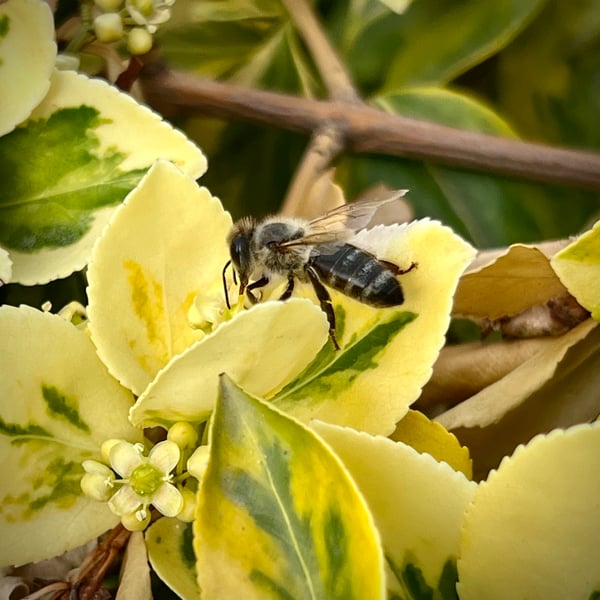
289 289
324 301
395 269
254 285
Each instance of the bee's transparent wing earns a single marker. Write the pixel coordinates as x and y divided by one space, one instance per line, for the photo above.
342 222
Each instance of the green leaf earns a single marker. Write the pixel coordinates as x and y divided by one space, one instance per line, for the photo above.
533 526
386 354
488 210
436 40
266 525
87 146
420 533
165 245
26 46
57 405
171 554
560 104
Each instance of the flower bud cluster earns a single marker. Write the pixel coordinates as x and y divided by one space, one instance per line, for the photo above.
136 21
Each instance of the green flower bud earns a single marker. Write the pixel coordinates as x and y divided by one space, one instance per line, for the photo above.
139 41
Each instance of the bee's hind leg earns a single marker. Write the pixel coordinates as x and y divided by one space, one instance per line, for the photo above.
324 301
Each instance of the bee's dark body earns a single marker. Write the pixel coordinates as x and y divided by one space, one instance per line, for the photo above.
359 275
296 249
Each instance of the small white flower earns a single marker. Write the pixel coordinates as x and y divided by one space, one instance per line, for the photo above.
145 480
149 13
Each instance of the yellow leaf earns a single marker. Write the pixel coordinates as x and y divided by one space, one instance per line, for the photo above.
171 555
532 530
578 267
277 514
261 349
57 405
417 503
164 245
27 55
126 130
387 354
424 435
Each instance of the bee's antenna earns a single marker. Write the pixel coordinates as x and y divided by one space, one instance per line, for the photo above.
225 283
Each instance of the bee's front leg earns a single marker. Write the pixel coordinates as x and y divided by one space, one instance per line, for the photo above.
255 285
289 288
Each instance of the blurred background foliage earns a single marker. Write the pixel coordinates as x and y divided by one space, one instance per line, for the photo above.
527 68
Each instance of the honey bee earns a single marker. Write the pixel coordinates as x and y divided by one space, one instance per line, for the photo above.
316 251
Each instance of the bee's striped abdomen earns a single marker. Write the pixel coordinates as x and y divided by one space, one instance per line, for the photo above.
358 274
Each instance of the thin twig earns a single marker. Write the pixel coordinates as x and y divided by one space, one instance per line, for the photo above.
327 141
369 130
330 67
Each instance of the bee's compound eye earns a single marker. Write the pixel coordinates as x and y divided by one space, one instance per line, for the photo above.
240 253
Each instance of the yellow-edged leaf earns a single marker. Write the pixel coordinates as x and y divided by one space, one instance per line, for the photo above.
387 354
57 405
578 266
418 505
27 55
164 246
425 435
261 349
110 141
171 554
532 530
278 516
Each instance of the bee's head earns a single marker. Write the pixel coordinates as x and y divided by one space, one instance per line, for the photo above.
239 240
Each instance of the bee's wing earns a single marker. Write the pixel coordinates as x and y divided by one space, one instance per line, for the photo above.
342 222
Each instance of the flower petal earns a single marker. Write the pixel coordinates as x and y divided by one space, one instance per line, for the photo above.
125 457
96 468
168 500
164 456
124 502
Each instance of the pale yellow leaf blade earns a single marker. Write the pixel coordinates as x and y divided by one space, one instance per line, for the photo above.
425 435
532 530
164 246
417 502
386 354
57 405
171 555
27 55
261 349
578 266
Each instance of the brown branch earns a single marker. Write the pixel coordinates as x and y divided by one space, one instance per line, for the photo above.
368 130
